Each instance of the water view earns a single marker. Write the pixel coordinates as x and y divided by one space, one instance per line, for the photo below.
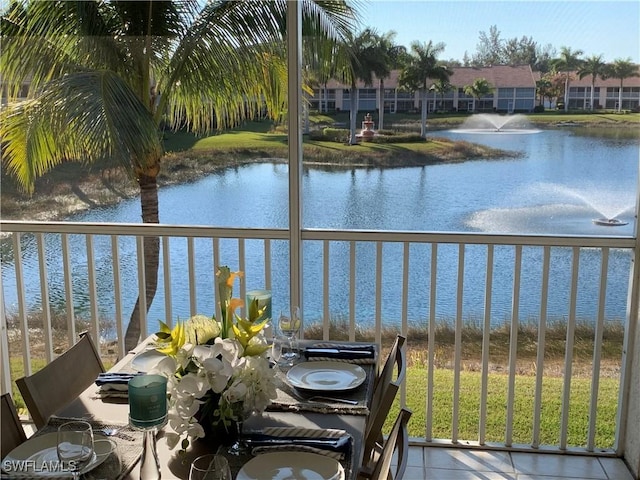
560 184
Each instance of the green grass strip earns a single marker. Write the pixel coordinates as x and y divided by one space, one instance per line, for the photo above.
523 408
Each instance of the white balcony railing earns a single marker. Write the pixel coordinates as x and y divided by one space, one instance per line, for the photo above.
85 260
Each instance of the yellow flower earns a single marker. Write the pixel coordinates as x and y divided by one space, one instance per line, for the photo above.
200 329
245 331
173 339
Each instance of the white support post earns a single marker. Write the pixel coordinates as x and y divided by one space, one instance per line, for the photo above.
294 96
5 365
628 440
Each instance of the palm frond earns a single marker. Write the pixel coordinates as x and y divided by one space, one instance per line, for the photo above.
83 117
223 69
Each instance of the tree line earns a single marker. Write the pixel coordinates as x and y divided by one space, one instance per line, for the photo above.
370 53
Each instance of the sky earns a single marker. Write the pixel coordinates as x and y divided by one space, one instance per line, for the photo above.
610 28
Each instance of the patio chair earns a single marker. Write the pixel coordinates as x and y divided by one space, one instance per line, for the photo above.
61 381
12 431
384 394
396 447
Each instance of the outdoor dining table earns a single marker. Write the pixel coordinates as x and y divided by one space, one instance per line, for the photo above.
289 410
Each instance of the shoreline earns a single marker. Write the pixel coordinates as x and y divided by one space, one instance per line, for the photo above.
69 190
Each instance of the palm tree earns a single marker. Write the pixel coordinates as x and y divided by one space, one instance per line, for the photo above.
621 68
364 60
323 71
478 89
441 87
105 75
542 88
390 55
325 60
422 65
594 66
567 62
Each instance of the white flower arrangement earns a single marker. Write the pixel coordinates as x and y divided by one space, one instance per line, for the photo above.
218 372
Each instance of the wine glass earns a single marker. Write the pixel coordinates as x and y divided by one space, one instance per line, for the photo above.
289 326
75 446
243 410
280 346
108 449
212 466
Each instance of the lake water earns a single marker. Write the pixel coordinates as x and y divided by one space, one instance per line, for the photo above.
561 182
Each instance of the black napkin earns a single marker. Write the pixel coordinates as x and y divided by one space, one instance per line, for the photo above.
114 378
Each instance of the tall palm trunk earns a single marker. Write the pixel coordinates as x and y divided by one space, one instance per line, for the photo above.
423 114
593 87
353 113
620 97
325 95
305 113
381 111
148 183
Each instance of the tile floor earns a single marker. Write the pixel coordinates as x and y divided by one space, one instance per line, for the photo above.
435 463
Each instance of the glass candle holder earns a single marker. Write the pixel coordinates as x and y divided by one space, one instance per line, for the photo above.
148 401
148 412
264 301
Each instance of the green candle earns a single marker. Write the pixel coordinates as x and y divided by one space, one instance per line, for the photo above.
147 400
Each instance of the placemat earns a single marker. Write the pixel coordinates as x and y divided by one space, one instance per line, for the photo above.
289 400
129 445
236 462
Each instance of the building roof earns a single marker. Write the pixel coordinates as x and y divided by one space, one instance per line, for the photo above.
498 76
608 83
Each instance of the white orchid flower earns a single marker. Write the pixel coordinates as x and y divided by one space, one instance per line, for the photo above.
166 367
203 352
218 373
187 407
172 439
195 430
192 385
230 349
237 392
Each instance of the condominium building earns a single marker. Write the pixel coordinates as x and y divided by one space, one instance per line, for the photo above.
514 90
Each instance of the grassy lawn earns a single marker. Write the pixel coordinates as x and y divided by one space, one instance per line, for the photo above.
469 407
253 144
261 134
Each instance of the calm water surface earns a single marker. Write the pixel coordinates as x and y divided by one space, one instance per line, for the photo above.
561 182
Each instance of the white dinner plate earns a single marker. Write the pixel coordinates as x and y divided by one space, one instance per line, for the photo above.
291 465
326 376
145 361
38 458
